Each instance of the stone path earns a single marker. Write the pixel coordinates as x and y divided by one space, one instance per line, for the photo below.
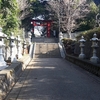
55 79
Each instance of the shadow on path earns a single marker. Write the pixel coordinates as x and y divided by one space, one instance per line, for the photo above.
55 79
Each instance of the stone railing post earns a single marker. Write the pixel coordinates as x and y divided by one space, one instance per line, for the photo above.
60 37
94 40
2 62
82 41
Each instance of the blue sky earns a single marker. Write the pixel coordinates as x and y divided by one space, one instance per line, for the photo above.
97 2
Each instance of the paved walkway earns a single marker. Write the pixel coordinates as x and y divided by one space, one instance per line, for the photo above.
55 79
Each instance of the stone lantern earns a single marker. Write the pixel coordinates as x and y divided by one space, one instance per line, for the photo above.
24 47
13 49
82 41
94 40
2 62
19 47
30 36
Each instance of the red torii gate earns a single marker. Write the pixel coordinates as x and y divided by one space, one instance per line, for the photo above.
42 23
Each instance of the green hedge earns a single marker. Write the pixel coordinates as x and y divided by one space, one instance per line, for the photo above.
89 34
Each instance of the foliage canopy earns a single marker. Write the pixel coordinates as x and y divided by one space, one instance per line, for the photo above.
9 19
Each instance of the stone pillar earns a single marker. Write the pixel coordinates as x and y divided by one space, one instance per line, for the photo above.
60 37
94 40
2 62
82 41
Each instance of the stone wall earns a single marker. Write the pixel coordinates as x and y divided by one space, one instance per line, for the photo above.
9 76
85 64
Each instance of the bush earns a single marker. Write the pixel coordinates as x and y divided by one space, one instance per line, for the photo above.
89 34
69 45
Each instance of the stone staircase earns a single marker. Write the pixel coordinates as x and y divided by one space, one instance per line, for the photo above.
45 40
47 50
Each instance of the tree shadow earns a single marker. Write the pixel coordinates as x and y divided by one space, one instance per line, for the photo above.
41 81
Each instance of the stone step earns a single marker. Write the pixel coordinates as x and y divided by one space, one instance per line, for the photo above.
47 50
45 40
45 47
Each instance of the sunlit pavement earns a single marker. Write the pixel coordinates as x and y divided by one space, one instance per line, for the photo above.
55 79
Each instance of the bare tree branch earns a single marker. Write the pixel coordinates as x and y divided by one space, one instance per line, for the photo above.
68 11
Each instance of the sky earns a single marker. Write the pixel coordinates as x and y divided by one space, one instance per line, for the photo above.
97 2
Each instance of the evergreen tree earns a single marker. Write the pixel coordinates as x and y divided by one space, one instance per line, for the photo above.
9 19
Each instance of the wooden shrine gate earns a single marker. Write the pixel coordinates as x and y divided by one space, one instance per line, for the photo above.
46 23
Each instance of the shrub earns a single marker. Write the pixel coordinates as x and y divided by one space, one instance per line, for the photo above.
69 45
89 34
